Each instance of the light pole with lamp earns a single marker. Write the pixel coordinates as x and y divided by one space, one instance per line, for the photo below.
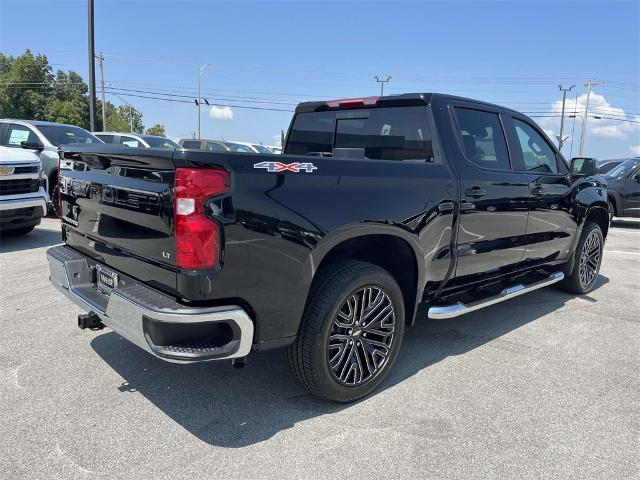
130 113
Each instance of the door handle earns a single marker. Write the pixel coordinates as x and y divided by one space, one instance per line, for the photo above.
537 191
475 192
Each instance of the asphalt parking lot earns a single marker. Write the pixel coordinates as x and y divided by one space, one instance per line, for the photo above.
544 386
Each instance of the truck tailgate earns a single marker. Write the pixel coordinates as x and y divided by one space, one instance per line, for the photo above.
117 207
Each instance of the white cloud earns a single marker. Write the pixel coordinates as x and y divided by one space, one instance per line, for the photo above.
607 126
550 133
635 150
221 113
608 131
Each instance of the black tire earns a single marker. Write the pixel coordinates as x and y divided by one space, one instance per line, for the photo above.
587 255
335 289
17 231
53 204
612 210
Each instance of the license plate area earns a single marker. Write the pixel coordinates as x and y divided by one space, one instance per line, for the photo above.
106 280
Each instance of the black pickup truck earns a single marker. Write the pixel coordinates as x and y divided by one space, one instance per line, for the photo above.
381 211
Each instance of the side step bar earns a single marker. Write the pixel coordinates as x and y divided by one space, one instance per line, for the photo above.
451 311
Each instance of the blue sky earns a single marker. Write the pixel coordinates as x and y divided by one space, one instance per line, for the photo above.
272 55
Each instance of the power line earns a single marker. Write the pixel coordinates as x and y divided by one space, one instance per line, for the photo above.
212 103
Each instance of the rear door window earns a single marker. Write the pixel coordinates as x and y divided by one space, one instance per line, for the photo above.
214 147
195 144
482 138
130 142
390 133
106 138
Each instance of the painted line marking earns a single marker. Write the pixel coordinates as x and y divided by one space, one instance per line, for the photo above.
621 251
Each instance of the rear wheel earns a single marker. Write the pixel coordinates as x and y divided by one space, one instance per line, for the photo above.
350 333
612 210
54 204
588 258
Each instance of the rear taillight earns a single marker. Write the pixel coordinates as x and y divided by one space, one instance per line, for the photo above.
197 236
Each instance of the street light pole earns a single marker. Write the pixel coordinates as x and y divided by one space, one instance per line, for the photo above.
200 72
382 82
130 112
564 99
590 84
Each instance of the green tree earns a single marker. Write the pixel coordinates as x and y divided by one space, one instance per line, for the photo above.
157 129
29 90
123 119
69 103
25 86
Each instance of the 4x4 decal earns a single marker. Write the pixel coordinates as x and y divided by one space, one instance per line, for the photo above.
286 167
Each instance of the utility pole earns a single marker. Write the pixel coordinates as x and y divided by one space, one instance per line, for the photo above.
590 84
199 100
564 99
92 70
104 106
382 82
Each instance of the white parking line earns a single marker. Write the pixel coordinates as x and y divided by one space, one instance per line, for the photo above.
621 251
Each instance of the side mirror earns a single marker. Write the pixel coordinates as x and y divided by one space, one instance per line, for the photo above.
583 166
32 145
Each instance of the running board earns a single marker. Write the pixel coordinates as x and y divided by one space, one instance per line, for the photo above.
451 311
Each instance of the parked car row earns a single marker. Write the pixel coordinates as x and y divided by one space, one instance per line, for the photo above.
224 146
135 140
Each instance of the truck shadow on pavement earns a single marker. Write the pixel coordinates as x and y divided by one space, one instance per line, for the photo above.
236 408
38 238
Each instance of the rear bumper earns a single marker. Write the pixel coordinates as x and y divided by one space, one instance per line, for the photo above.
153 321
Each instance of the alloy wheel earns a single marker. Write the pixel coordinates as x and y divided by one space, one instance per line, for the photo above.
361 336
590 259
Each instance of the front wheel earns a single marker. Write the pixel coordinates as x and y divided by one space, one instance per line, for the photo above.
588 258
350 333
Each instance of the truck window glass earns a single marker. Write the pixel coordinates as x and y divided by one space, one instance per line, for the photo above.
312 133
19 134
392 133
214 147
538 156
129 142
482 138
195 144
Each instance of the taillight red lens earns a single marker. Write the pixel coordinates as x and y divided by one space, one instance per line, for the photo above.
197 236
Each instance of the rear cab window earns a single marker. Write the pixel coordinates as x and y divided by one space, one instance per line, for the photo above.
482 138
383 133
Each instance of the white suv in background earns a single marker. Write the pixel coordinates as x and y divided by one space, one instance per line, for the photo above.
23 193
43 139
